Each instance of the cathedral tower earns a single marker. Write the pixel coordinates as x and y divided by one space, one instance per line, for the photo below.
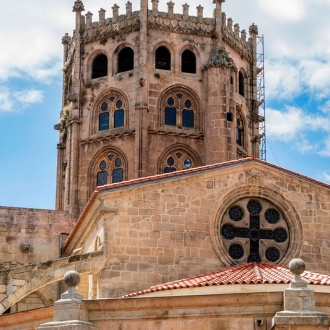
149 92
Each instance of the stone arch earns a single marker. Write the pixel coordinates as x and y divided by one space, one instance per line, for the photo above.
91 59
188 92
33 277
95 162
253 191
115 56
94 122
170 48
193 50
173 151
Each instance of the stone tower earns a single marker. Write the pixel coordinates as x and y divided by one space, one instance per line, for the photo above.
148 92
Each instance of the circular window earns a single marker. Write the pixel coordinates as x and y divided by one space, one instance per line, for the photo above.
254 230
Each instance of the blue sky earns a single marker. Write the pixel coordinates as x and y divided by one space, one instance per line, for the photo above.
297 69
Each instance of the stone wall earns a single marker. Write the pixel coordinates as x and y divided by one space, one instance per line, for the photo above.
161 230
31 235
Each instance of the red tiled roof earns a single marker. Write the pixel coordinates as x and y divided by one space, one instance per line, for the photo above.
247 273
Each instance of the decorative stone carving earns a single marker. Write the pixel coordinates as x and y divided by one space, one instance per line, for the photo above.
78 6
102 16
253 230
66 39
253 29
219 56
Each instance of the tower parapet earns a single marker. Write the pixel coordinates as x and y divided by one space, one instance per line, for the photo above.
184 23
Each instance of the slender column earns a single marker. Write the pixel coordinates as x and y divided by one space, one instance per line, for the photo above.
141 108
218 18
253 31
74 117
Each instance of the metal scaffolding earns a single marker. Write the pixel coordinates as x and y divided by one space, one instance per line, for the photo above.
261 95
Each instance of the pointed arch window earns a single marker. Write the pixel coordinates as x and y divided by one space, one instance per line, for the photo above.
239 130
125 60
163 58
111 112
179 110
111 169
188 62
100 66
177 160
241 83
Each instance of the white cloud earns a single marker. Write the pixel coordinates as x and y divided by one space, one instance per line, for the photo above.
6 103
326 149
293 125
284 9
29 96
11 100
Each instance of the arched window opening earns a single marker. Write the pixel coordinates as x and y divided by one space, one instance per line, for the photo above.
188 62
239 131
112 109
113 164
100 66
241 83
163 58
179 110
170 112
177 161
125 60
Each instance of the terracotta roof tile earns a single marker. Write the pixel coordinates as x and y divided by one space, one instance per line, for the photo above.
247 273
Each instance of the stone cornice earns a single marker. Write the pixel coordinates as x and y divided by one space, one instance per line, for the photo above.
110 135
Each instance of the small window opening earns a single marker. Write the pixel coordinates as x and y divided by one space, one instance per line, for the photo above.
231 80
241 84
100 66
229 116
163 58
239 132
125 60
188 62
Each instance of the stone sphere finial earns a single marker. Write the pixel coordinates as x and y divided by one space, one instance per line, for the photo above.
71 279
297 266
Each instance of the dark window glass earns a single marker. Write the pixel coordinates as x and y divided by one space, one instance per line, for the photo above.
163 58
117 175
102 178
119 118
170 116
187 163
241 83
104 106
170 101
110 157
125 60
118 162
103 165
103 121
169 169
100 66
170 161
119 104
187 104
179 95
187 118
188 62
112 98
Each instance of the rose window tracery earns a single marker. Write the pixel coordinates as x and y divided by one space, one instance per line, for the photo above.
254 230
